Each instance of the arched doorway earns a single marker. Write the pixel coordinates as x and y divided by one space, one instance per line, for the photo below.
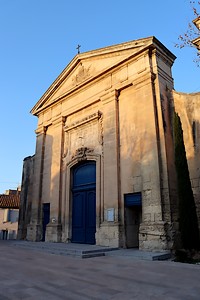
84 203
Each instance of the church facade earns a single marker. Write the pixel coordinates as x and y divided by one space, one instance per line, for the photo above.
103 171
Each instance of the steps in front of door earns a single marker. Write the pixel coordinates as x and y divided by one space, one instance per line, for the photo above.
141 254
88 251
96 253
76 250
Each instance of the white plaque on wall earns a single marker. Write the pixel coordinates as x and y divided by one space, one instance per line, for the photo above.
110 214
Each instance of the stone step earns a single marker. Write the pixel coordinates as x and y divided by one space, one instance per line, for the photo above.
88 251
65 249
90 255
141 254
164 256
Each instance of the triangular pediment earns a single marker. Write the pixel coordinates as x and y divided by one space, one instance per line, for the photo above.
88 66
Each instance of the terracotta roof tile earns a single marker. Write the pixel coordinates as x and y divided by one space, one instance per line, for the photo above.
9 201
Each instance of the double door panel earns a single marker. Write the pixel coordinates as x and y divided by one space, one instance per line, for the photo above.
84 216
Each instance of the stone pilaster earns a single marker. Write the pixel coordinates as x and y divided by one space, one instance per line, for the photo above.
108 232
54 228
34 229
152 231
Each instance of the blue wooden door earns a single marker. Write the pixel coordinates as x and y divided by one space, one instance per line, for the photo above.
84 203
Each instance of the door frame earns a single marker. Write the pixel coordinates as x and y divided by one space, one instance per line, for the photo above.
67 195
132 200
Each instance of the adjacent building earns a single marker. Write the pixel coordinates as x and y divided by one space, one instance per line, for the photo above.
9 212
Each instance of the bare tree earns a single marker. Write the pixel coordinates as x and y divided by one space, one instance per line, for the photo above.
191 37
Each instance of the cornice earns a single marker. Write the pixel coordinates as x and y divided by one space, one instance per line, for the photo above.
168 59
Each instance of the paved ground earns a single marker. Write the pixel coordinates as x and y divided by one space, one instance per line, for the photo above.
35 275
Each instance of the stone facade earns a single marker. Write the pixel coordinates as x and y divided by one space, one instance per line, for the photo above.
111 106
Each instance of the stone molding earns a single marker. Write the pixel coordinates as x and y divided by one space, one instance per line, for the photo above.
144 79
83 74
58 121
82 154
41 130
98 117
109 96
87 119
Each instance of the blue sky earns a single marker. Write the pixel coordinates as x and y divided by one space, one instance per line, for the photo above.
39 38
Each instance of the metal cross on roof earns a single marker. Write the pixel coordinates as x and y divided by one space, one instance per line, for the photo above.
78 48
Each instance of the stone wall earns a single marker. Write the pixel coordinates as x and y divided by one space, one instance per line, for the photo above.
25 197
188 108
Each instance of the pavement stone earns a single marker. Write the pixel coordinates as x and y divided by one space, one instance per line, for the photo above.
29 274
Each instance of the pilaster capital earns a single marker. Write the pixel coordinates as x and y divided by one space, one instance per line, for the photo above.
110 96
144 79
41 130
57 121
